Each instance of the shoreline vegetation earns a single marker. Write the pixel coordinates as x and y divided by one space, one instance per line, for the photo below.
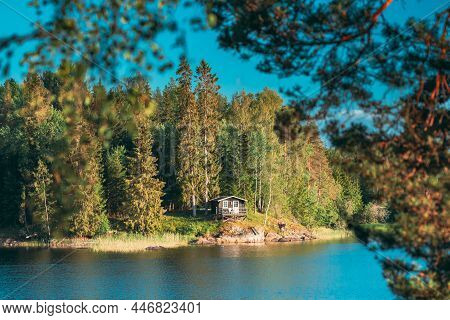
226 233
132 168
129 243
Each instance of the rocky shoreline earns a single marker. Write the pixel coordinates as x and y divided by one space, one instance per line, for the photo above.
8 242
236 234
65 243
229 233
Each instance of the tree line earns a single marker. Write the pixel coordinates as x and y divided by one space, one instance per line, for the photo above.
81 160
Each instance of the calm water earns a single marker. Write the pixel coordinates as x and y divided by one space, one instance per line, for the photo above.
331 270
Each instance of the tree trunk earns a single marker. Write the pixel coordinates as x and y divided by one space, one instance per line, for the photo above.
205 150
26 210
268 202
260 205
270 191
46 213
194 206
256 190
206 170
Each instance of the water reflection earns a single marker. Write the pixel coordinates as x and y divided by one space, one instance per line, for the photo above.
313 270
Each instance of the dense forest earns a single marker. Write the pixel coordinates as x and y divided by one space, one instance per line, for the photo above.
79 159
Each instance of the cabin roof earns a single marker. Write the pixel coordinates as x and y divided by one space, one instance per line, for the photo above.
226 197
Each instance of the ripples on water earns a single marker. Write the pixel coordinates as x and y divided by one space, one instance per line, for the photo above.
312 270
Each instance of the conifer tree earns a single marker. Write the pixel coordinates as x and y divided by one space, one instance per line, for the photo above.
230 150
168 108
144 190
79 168
349 202
115 181
34 113
312 190
38 101
166 141
189 156
89 218
208 106
320 171
236 177
12 147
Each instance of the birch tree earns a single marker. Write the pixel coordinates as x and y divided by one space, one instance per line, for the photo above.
43 198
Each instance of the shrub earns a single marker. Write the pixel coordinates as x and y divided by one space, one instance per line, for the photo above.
373 213
103 225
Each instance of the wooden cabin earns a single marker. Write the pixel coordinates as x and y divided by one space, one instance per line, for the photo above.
228 207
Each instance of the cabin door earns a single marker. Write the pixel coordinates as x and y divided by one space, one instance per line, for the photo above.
235 207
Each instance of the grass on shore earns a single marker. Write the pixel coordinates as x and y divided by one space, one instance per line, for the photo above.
184 223
331 234
121 242
378 227
135 242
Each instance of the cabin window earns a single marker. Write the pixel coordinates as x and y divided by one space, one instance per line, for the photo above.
236 204
225 204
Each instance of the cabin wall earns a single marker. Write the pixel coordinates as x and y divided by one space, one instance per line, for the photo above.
218 210
230 201
221 203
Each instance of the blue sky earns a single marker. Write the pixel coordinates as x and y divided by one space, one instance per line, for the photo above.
234 74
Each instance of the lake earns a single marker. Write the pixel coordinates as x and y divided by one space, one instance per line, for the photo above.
310 270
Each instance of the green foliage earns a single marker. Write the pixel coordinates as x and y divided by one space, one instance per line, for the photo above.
350 201
144 191
312 192
168 104
90 219
30 129
189 226
10 193
108 171
188 152
43 199
403 153
249 150
207 92
115 181
167 136
286 176
373 213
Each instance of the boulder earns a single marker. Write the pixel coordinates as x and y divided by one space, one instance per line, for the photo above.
152 248
272 237
292 238
205 241
238 234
